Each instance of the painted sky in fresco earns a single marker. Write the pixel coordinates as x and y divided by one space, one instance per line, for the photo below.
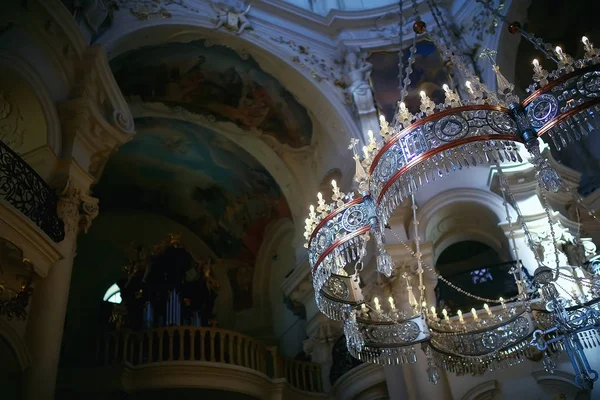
428 75
201 180
214 81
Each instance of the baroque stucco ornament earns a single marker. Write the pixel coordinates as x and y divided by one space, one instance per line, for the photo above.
231 17
76 209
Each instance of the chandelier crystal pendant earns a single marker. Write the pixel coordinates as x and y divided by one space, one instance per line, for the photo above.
417 149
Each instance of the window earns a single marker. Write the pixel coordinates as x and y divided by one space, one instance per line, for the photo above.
113 294
481 275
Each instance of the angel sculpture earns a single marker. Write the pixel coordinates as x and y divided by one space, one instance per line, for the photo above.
230 18
358 72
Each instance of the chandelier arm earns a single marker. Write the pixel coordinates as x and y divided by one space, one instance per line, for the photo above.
447 282
513 27
580 202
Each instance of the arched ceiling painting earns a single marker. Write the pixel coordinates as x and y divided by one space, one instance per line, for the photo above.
214 80
203 181
428 75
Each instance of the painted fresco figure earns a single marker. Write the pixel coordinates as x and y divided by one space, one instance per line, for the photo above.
227 16
358 72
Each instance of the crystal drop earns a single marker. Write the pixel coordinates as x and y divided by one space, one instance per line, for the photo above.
433 373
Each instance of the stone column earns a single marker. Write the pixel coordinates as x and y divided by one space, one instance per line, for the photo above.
319 345
49 302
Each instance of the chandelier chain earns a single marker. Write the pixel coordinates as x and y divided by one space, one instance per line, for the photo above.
511 231
400 43
552 231
418 253
446 281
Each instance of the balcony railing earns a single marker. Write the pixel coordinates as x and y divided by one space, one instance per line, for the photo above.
26 191
189 343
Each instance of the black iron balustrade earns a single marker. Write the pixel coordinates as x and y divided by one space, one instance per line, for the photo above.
489 281
26 191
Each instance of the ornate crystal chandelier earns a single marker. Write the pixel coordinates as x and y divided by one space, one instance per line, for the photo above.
481 127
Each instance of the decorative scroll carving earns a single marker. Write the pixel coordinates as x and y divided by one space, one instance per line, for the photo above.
232 18
76 209
25 190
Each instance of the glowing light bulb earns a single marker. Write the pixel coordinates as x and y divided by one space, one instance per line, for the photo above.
502 302
487 309
460 317
474 313
363 307
422 94
558 50
319 196
370 134
392 304
366 151
376 301
469 87
536 63
585 41
402 105
446 88
382 118
433 313
445 314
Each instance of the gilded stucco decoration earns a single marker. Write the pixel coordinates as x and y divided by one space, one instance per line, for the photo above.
320 68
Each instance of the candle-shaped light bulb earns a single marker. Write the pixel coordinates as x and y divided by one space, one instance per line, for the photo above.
422 94
502 302
433 312
559 51
460 317
536 63
366 151
370 134
585 41
382 118
333 183
469 87
487 309
474 314
402 105
320 196
445 314
376 301
392 304
446 88
363 307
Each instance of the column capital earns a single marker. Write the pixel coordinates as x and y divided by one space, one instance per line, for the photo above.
76 208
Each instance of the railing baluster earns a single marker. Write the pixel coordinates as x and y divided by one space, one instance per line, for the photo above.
212 345
202 345
222 339
230 347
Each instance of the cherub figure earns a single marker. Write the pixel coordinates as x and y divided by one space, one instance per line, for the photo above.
230 18
358 72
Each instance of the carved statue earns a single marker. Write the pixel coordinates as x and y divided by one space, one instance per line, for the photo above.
358 72
232 19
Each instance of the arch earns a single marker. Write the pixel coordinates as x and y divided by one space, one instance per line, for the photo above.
483 391
321 98
257 148
446 209
16 343
562 379
32 77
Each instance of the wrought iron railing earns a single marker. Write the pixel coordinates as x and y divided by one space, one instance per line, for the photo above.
26 191
190 343
489 281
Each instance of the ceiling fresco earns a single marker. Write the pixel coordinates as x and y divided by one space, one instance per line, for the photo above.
216 81
428 75
203 181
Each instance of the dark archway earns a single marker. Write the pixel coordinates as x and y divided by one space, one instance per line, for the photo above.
476 268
